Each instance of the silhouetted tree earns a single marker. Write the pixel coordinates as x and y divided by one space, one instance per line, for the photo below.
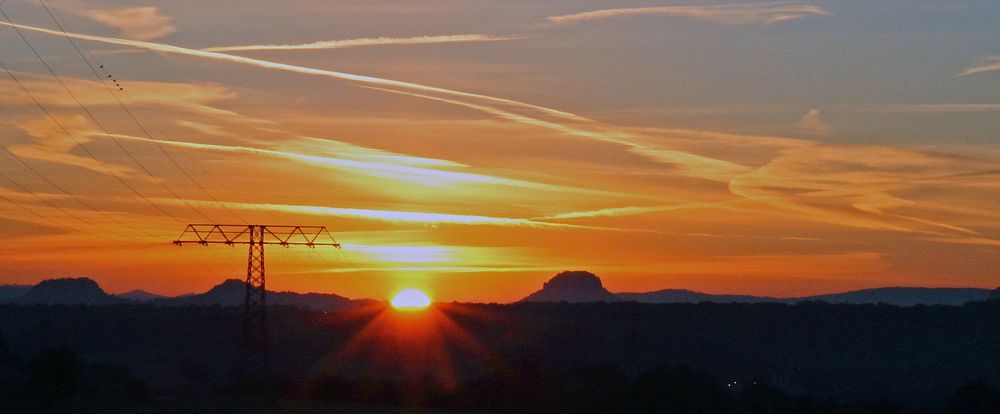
678 390
975 398
54 377
757 397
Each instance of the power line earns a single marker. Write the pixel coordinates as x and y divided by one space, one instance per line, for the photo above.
46 179
60 209
104 129
77 142
36 213
145 132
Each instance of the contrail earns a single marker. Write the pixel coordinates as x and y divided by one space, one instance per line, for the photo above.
385 169
762 13
628 211
368 41
389 215
695 165
368 80
989 64
699 166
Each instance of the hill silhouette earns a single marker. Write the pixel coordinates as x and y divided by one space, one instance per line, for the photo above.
906 296
85 291
232 293
67 291
11 292
573 286
580 286
689 296
140 295
567 286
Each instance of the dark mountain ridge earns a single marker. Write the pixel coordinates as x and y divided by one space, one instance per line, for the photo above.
11 292
578 286
140 295
232 293
690 296
567 286
84 291
67 291
573 286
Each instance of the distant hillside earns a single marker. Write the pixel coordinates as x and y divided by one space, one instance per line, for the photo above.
232 293
84 291
579 286
140 295
9 293
69 291
688 296
567 286
573 286
906 296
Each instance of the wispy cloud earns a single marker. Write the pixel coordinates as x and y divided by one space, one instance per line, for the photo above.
983 64
927 108
812 123
571 124
632 210
368 41
733 14
140 23
692 164
444 269
380 165
392 216
361 79
868 187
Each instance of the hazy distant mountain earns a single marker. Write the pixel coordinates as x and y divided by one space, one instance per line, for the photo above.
140 295
9 293
579 286
69 291
906 296
232 292
688 296
573 286
568 286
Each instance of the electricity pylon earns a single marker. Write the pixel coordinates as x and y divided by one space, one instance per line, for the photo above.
256 236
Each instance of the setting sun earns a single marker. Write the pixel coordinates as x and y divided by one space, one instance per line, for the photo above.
410 299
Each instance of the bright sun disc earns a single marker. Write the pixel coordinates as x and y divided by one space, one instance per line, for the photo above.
410 299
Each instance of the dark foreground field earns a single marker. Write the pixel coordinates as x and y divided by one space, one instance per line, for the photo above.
810 357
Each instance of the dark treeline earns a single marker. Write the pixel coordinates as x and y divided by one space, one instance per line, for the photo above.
810 357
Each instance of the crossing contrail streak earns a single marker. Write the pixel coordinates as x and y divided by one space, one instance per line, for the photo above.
369 41
368 80
696 165
394 170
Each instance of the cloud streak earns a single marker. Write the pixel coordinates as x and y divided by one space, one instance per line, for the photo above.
361 79
985 64
391 216
368 41
632 210
812 123
692 164
730 14
140 23
942 108
399 171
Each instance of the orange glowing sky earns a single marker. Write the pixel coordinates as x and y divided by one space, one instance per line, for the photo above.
472 149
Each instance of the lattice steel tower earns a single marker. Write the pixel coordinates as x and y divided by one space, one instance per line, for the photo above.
255 350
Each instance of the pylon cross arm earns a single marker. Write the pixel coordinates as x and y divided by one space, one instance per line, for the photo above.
233 234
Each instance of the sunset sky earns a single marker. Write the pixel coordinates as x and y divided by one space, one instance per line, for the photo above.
475 148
